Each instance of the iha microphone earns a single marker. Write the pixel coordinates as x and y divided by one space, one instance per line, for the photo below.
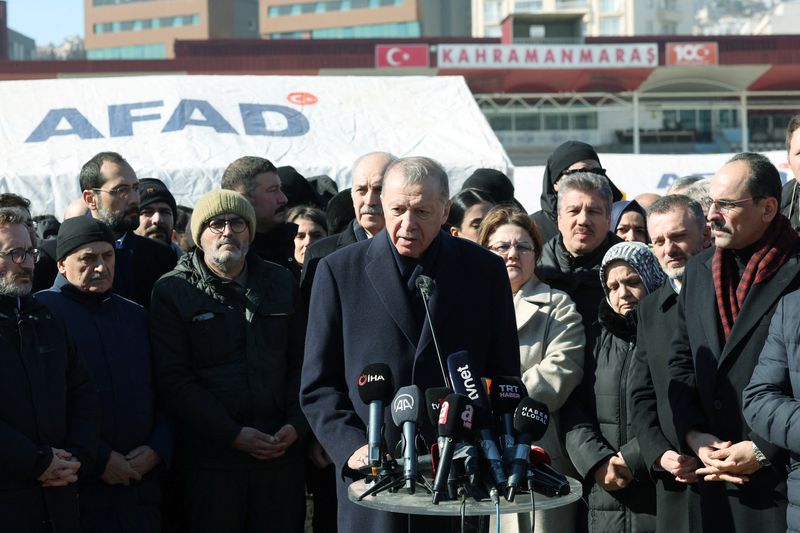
407 415
505 395
455 424
375 387
426 285
530 421
467 381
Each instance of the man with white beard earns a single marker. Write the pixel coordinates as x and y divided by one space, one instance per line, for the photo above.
227 330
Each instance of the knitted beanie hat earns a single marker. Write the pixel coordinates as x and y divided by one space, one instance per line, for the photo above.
153 190
78 231
639 257
221 202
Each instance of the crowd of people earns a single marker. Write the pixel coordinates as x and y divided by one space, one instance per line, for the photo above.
172 368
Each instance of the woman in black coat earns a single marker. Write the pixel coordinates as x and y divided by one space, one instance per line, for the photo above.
620 493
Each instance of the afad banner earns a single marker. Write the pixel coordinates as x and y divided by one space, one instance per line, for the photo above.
185 130
541 56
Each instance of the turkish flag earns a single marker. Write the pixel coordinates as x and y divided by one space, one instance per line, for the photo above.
392 56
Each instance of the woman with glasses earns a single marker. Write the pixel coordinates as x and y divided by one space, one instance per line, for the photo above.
600 441
551 340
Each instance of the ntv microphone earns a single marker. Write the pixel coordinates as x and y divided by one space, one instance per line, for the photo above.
505 394
467 382
455 424
530 420
407 415
426 285
376 389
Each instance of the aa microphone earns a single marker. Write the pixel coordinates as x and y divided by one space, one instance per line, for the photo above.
407 415
541 462
505 394
426 285
455 424
531 419
376 389
467 381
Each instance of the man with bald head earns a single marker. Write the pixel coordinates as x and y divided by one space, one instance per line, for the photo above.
727 299
365 309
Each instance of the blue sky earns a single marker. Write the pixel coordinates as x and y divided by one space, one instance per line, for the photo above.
46 21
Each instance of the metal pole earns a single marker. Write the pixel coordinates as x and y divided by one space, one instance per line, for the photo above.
636 147
743 121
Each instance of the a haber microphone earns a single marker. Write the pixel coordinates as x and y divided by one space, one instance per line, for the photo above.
531 419
375 387
467 381
455 424
505 395
426 285
407 414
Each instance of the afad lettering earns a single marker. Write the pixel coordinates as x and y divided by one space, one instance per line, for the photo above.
369 378
200 113
469 382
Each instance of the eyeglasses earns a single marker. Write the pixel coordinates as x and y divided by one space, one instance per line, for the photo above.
724 206
19 255
217 225
121 191
599 171
503 248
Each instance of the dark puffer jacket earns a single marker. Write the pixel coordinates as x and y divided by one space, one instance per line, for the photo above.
598 425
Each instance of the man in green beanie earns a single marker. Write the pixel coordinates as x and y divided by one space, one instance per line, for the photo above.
227 330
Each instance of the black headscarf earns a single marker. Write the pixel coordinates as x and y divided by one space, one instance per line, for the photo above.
494 182
297 189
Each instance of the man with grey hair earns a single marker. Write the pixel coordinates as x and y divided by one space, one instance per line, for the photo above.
49 418
365 309
571 260
679 185
677 226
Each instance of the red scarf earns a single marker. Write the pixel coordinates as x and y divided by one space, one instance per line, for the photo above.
772 250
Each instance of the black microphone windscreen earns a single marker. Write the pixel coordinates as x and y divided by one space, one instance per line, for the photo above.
433 402
407 405
456 417
375 383
506 393
531 418
466 379
425 284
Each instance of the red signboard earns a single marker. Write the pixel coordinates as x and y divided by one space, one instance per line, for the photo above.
692 53
393 56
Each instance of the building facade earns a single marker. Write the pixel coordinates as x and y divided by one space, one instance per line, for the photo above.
600 17
147 29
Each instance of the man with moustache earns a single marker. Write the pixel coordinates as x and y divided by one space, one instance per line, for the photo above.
49 422
677 227
111 191
727 299
158 212
122 492
227 330
257 180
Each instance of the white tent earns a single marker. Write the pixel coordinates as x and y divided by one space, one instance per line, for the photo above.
186 129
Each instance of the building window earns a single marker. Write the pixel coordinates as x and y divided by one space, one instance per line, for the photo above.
310 8
142 51
572 4
528 6
291 35
115 2
609 6
146 24
370 31
609 26
491 12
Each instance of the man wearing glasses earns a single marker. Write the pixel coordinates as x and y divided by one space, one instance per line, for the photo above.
111 191
727 300
49 419
227 329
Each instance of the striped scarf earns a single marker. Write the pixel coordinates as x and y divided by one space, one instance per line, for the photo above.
774 248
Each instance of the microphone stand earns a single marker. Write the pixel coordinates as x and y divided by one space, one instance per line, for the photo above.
425 284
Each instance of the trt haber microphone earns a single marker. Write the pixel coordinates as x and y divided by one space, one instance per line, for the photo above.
426 285
456 419
376 388
467 381
531 419
505 395
407 414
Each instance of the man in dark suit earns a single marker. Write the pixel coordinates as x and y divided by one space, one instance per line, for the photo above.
677 226
724 310
111 191
365 309
367 175
790 194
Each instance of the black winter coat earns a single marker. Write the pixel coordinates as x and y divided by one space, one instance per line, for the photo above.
277 246
597 422
46 401
225 360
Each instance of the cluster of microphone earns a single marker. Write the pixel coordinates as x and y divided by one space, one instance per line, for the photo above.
485 431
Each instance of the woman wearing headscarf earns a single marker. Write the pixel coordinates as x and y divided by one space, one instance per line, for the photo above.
551 340
569 156
629 221
600 442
